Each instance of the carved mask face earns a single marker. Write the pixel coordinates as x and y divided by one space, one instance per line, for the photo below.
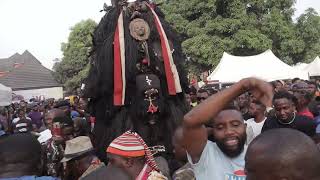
148 96
152 95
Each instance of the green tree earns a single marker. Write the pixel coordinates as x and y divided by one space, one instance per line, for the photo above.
280 28
308 28
211 27
75 65
242 27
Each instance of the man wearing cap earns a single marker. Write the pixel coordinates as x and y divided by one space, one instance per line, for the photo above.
130 153
80 158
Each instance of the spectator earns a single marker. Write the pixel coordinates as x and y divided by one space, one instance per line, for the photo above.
193 96
282 154
74 114
75 101
257 110
163 165
202 95
59 124
64 105
80 158
312 88
243 104
21 124
4 119
81 127
42 109
83 103
300 91
108 173
278 85
35 116
50 103
188 100
82 108
20 158
23 105
2 130
285 116
212 91
225 158
296 80
186 171
66 120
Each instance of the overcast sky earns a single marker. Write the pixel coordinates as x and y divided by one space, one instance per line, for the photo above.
41 25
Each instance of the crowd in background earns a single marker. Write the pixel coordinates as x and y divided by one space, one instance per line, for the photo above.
69 154
64 118
37 112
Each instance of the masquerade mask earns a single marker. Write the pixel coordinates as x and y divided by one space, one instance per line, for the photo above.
149 85
151 95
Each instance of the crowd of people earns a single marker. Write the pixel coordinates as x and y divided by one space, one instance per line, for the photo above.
251 130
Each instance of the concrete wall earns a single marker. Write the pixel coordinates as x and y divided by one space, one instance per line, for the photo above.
55 92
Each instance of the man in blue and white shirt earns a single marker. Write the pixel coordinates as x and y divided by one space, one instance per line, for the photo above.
224 159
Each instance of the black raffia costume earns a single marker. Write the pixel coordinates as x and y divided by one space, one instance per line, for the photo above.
135 94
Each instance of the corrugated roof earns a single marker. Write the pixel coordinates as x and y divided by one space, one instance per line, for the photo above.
25 72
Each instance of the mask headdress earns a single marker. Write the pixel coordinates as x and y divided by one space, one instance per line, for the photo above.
136 75
142 35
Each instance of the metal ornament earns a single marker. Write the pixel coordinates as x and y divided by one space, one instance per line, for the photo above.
139 29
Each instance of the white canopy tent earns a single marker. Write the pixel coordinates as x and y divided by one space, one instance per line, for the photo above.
5 95
300 66
265 66
313 68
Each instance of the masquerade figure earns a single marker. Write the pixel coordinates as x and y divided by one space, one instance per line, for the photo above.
136 80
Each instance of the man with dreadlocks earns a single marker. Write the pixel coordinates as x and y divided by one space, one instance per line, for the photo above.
136 80
130 153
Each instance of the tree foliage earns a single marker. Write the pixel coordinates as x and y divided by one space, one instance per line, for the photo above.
75 65
209 28
308 28
243 27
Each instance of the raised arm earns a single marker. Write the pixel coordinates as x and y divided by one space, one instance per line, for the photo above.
195 134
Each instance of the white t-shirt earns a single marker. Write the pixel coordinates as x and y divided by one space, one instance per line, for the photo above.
214 164
256 127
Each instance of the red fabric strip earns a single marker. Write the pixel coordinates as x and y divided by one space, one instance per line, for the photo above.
117 71
123 153
165 55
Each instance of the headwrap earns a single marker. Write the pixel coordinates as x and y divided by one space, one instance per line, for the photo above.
130 144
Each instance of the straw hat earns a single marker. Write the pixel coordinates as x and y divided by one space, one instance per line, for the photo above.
77 147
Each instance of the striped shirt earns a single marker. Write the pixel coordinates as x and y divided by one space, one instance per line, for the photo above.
21 125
